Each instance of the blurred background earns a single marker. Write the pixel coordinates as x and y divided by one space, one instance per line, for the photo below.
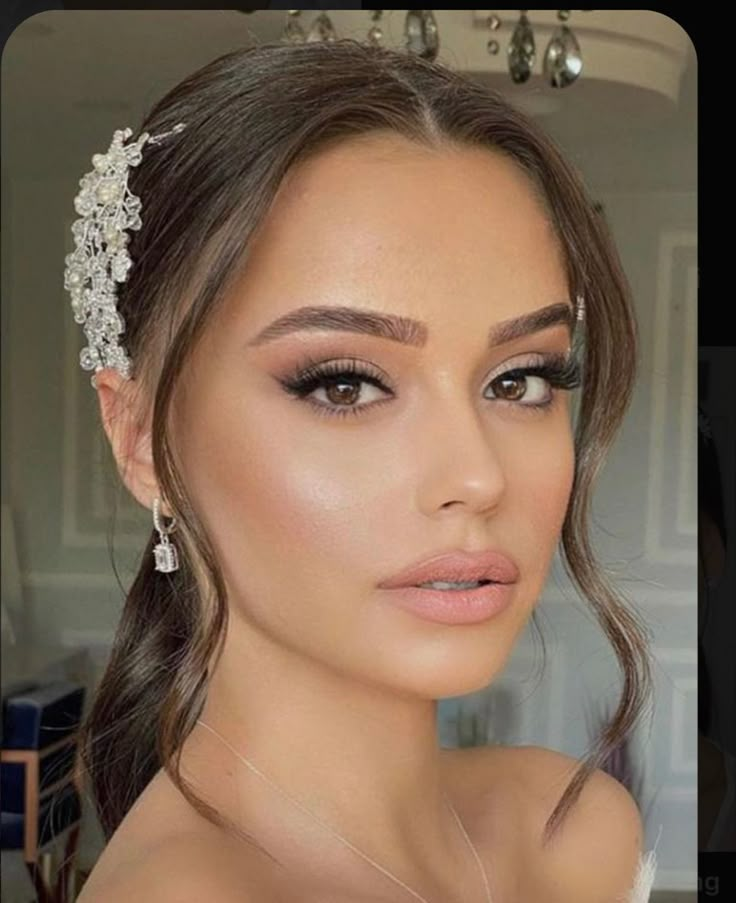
619 93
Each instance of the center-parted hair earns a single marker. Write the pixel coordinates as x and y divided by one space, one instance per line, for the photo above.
251 116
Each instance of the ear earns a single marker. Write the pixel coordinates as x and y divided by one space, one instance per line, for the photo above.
128 429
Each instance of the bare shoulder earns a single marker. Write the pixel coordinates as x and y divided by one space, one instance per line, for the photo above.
163 846
596 852
187 868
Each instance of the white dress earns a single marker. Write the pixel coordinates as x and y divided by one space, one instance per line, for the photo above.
642 889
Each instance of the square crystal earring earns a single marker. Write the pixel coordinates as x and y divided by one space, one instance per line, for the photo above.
164 552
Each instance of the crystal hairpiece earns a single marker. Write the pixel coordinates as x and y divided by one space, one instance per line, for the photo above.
579 308
101 259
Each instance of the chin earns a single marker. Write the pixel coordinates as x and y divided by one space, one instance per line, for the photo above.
448 674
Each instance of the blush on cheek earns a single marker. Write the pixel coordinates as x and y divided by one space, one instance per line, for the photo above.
288 512
546 492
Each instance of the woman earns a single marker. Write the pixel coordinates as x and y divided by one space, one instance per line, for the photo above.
350 332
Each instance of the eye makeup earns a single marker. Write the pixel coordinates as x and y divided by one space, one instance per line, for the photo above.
561 371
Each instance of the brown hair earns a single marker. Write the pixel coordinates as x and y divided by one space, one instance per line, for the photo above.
250 116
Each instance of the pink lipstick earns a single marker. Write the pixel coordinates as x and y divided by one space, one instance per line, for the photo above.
455 601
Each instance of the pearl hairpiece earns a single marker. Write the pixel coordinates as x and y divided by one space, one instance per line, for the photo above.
101 259
107 208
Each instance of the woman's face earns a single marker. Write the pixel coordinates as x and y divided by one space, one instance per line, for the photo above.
313 501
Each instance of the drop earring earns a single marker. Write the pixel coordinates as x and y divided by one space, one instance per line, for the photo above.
164 552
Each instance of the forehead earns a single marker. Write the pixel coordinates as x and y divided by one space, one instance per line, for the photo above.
384 223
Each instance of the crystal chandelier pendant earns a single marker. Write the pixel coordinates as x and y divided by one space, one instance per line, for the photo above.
421 33
293 32
375 35
522 51
322 29
494 23
563 62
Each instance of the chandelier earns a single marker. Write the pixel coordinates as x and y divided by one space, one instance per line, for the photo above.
561 65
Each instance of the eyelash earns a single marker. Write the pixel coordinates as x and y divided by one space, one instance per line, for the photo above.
561 371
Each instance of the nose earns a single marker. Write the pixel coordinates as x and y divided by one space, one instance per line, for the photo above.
459 464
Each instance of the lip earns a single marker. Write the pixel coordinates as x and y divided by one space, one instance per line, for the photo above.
456 566
469 606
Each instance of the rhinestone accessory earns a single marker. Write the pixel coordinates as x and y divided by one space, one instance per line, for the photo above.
101 258
164 553
580 308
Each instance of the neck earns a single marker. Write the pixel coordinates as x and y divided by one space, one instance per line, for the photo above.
359 757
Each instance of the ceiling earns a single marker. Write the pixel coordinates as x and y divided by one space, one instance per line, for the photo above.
70 76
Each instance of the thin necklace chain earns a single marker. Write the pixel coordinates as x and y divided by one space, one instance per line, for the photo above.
347 842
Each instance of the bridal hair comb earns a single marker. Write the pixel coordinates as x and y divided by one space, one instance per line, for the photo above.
101 259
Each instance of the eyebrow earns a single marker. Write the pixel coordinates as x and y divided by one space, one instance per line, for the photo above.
404 329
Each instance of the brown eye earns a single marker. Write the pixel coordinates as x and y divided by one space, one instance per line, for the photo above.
514 387
342 391
531 386
338 388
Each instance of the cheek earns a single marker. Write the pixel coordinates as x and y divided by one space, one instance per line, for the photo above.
542 488
268 501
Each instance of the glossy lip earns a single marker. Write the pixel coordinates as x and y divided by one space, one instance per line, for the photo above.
469 606
457 566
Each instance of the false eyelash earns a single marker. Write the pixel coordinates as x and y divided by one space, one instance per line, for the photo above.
314 374
561 371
